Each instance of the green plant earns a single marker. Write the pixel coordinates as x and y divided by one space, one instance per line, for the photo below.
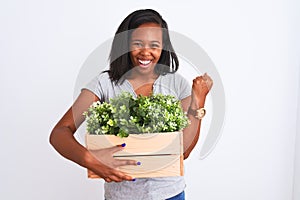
124 115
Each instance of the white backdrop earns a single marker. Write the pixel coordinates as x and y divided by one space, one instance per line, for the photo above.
254 45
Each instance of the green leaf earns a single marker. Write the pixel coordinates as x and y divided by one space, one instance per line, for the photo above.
125 115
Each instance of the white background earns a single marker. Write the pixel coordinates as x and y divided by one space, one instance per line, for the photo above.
254 45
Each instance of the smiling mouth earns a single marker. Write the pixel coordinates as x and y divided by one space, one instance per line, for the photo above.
144 63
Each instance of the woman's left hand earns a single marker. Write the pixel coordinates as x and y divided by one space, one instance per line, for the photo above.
201 87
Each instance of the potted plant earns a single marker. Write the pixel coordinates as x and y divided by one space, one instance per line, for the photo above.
151 127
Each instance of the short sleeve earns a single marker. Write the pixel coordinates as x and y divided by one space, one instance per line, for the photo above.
183 87
100 86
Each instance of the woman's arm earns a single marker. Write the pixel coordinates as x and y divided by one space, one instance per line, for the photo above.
201 87
62 139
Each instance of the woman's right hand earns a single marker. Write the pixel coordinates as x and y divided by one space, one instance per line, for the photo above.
106 165
101 162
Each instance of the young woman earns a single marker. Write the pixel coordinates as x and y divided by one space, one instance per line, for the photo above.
142 61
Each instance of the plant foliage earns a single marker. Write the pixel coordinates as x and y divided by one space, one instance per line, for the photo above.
145 114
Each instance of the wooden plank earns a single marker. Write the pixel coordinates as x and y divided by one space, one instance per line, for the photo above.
139 144
152 166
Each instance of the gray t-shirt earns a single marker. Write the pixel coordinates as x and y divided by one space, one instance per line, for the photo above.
142 188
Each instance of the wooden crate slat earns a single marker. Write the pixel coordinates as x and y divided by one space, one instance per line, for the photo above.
152 166
139 144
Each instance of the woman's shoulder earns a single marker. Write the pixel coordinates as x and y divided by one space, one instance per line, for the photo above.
103 78
99 81
103 75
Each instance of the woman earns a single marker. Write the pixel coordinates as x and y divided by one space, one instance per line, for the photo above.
142 61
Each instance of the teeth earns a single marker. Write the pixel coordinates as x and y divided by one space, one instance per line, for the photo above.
145 62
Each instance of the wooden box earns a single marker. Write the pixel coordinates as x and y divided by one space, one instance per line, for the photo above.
160 154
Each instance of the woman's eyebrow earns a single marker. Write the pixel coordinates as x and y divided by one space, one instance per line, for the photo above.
136 40
155 41
152 41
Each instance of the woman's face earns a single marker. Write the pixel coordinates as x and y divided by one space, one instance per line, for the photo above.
146 47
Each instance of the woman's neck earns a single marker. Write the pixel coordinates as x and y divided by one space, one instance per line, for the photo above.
143 78
142 84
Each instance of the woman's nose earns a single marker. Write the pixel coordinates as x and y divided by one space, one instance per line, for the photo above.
145 51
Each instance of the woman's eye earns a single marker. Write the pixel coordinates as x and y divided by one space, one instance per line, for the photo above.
137 44
155 46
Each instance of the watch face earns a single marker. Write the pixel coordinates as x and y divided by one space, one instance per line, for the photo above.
201 113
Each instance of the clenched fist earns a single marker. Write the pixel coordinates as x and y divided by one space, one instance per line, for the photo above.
201 87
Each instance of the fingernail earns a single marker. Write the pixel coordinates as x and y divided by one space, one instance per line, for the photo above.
138 163
123 145
133 179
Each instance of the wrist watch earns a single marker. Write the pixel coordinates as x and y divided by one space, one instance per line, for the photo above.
199 113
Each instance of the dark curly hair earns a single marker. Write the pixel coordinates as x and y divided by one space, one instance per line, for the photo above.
120 62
